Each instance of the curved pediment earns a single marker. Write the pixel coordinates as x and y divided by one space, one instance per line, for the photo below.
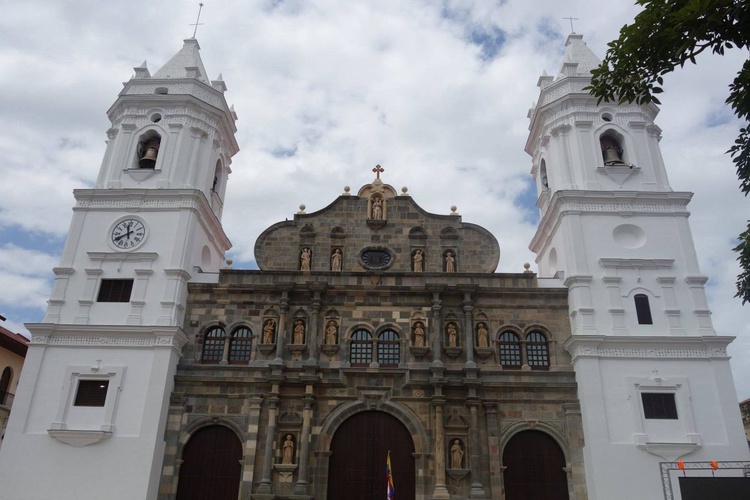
377 230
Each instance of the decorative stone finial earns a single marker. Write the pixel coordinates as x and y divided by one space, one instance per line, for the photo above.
302 209
453 210
527 267
346 190
405 191
229 264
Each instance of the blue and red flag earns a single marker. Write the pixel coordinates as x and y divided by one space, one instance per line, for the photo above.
391 493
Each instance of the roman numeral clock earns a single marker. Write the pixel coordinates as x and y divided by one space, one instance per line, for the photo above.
128 234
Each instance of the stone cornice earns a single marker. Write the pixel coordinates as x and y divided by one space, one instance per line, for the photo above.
50 334
601 346
567 202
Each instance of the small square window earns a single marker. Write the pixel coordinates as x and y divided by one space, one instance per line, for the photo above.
115 291
91 393
659 405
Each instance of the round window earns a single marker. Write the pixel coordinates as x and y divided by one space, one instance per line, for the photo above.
376 259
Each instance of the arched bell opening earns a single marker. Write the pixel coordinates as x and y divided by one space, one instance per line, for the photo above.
147 151
613 153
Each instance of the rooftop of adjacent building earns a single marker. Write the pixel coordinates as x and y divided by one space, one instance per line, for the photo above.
13 342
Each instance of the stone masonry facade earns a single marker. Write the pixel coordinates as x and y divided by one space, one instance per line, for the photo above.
307 371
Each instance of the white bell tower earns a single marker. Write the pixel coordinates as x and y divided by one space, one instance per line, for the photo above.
89 417
654 378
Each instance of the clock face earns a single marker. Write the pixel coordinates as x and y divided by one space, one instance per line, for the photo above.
128 234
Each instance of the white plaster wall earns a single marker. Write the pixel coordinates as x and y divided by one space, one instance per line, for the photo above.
615 467
125 466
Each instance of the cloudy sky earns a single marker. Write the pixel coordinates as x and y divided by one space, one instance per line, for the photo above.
435 91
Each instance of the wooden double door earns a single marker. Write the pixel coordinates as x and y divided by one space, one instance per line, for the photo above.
359 449
534 468
211 465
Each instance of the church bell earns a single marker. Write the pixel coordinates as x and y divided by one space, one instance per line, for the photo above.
149 159
612 157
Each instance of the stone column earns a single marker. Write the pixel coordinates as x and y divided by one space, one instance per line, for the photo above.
281 332
273 405
477 490
493 443
312 327
252 407
436 331
301 487
440 492
469 328
227 341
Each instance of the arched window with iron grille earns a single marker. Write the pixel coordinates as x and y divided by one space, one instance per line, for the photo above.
537 351
240 345
213 345
510 350
360 352
389 349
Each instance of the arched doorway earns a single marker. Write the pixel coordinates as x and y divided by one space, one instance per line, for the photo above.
359 450
211 465
534 468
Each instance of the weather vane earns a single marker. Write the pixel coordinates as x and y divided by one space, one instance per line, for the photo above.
197 21
571 19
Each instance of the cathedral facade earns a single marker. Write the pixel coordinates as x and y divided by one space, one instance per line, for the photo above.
371 320
373 332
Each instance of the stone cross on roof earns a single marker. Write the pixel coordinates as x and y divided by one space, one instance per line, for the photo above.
378 170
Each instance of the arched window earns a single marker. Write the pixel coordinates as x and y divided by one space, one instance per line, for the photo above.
389 348
240 345
537 351
543 175
216 184
643 309
360 353
5 386
213 345
510 350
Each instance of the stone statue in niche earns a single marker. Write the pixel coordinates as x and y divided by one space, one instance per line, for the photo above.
483 336
418 259
418 334
304 259
287 454
331 333
299 332
452 335
377 209
268 328
450 263
336 260
457 455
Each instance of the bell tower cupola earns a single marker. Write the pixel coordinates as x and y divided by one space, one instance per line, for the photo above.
611 226
577 143
152 221
171 130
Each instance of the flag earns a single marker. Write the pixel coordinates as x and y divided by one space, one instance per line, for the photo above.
391 491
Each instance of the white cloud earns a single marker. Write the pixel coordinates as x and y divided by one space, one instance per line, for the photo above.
25 276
